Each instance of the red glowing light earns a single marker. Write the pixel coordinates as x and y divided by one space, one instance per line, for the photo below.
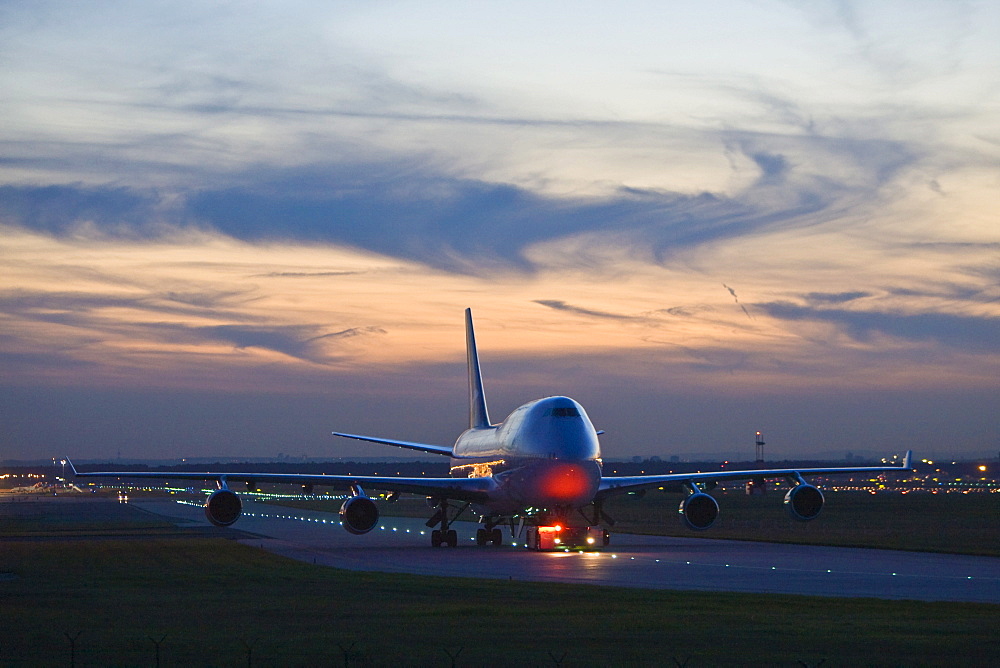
566 484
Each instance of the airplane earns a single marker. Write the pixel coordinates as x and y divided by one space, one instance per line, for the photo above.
539 470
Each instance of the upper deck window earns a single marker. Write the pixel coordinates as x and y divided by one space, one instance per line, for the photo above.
566 411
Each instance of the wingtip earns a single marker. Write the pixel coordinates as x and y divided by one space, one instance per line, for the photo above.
908 460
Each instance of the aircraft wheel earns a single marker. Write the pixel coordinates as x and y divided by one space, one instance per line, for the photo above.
436 538
496 537
481 537
452 538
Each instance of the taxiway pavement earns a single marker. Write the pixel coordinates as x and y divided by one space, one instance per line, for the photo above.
402 545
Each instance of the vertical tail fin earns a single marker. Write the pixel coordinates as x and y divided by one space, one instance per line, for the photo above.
479 417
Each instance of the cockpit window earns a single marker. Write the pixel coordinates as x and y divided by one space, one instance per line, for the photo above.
566 411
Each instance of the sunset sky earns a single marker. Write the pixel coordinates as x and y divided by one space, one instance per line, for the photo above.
231 228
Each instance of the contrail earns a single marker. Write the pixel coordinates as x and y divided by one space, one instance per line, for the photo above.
737 300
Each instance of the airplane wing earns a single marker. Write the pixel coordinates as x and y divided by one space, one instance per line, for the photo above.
461 489
436 449
619 484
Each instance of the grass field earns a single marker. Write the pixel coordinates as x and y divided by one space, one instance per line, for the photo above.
956 523
212 599
27 516
213 602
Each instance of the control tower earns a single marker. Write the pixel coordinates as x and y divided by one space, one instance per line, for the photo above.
758 485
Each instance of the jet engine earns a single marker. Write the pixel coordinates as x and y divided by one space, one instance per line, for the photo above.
699 511
223 507
359 514
804 502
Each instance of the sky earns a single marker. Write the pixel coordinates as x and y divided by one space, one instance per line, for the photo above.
232 228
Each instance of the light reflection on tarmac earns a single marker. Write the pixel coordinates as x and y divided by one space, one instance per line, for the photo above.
652 562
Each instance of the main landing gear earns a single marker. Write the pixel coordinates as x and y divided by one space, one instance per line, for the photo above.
448 537
490 535
444 535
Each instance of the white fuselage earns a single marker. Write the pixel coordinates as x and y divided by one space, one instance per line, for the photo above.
545 455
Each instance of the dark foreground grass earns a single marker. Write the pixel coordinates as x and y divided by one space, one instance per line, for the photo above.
953 523
28 516
218 603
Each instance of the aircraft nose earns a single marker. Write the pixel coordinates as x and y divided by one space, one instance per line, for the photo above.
564 483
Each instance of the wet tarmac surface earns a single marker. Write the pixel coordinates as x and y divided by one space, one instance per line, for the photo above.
402 545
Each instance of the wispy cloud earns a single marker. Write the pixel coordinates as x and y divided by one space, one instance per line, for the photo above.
70 307
837 297
304 343
952 330
306 274
560 305
737 300
455 224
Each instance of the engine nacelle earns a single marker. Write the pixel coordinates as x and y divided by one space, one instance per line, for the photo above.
804 502
223 507
359 514
699 511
